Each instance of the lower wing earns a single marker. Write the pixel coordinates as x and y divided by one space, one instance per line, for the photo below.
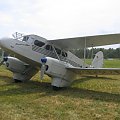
95 71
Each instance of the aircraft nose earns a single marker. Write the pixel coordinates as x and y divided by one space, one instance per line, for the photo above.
4 42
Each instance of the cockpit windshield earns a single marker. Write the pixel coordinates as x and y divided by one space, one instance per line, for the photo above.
25 38
20 37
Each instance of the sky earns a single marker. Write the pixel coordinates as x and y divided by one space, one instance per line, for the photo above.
55 19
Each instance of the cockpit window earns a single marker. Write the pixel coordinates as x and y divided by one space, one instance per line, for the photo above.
49 47
39 43
64 54
58 51
25 38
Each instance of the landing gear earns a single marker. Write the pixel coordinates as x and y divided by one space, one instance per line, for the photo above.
56 88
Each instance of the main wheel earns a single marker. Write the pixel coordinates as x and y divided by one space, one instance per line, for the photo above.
56 88
17 81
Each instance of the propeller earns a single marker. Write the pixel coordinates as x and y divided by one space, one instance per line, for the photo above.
4 58
43 67
1 62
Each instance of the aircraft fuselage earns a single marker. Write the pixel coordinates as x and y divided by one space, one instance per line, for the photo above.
32 48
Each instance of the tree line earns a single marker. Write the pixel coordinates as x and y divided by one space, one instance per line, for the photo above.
108 53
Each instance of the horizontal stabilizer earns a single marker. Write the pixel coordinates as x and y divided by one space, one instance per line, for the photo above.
95 71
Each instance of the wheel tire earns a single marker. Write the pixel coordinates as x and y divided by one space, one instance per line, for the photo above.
56 88
17 81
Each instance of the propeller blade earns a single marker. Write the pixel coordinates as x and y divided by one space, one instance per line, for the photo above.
43 67
42 71
2 58
1 62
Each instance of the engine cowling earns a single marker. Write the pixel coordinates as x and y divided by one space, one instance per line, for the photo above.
13 64
56 69
21 71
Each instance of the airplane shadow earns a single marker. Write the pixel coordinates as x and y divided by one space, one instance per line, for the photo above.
44 87
98 77
87 78
4 77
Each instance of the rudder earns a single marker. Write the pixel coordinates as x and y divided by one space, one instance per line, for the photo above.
98 60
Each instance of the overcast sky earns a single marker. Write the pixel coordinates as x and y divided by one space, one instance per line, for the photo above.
54 19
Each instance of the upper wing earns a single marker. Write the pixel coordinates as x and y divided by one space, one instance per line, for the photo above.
95 71
90 41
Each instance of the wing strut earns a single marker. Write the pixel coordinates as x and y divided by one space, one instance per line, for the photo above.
56 52
85 52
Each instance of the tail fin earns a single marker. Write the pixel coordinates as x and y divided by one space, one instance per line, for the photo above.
98 60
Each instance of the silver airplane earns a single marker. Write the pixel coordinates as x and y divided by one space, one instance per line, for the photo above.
33 53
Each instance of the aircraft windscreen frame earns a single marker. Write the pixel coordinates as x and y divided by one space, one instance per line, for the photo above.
20 36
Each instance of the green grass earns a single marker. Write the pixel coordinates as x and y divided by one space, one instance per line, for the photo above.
89 98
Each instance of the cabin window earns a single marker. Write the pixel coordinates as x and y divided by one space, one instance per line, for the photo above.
58 51
64 54
49 47
39 43
25 38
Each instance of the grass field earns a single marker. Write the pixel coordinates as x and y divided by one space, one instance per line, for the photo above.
89 98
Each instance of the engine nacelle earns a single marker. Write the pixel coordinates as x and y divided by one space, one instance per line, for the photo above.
14 65
21 71
55 67
57 70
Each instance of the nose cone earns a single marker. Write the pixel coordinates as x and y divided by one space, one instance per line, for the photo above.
43 60
5 43
1 41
